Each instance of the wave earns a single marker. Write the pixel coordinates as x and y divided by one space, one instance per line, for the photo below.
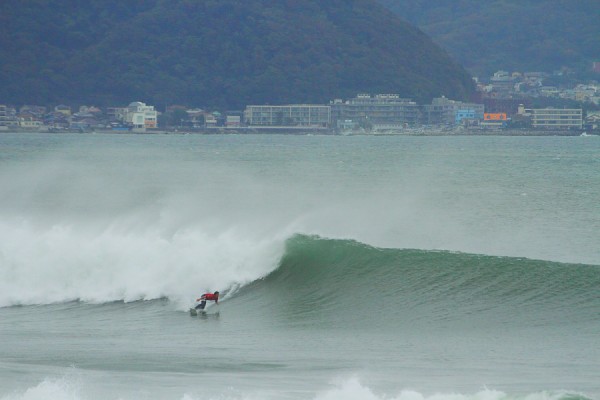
308 275
74 388
349 280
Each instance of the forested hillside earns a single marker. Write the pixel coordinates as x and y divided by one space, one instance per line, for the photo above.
221 53
521 35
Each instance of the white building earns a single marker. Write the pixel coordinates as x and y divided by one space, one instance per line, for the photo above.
30 123
140 116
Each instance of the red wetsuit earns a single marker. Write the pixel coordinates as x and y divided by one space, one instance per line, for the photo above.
210 296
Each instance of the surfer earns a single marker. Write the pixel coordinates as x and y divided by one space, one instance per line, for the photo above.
207 297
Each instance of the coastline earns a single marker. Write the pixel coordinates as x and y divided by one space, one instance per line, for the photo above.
421 131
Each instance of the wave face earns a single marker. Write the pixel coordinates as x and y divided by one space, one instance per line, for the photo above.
344 283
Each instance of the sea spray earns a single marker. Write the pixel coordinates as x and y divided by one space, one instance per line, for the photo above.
61 263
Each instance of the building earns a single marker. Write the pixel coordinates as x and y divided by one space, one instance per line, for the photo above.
29 123
140 116
377 110
289 116
494 120
592 120
555 118
63 109
210 120
443 111
33 110
233 121
509 107
116 113
8 118
3 125
503 83
464 115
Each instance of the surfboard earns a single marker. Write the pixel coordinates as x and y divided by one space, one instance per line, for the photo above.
194 312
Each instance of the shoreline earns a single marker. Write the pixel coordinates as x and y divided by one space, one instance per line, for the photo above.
423 131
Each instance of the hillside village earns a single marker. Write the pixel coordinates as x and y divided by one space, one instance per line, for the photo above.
505 103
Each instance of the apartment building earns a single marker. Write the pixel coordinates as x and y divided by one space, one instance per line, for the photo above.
380 109
555 118
289 116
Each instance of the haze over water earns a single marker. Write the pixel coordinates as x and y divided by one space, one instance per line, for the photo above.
352 267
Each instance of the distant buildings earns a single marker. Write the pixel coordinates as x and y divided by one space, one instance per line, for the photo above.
289 116
364 113
443 111
376 112
521 87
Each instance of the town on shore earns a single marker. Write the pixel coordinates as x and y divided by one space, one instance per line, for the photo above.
505 108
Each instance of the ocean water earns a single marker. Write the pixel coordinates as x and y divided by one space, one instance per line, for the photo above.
371 268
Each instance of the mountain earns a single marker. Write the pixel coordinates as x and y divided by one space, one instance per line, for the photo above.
513 35
220 53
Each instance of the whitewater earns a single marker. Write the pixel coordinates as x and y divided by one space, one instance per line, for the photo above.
412 268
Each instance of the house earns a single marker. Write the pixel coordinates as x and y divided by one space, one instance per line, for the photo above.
28 122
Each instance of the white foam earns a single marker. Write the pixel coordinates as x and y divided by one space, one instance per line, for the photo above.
352 389
49 389
58 263
72 387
